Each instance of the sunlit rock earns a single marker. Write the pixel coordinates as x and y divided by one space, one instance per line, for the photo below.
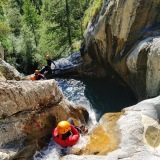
4 156
143 64
104 138
153 136
8 72
19 96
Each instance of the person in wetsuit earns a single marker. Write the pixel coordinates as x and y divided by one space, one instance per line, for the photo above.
65 134
37 76
48 66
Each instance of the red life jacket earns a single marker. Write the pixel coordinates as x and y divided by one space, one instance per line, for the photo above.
70 141
38 76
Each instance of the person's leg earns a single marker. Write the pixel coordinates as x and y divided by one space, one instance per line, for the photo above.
42 70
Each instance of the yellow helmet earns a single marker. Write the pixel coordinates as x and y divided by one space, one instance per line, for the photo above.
36 71
47 57
32 78
63 127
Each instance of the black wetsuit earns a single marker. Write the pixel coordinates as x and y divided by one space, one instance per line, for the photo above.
48 67
49 62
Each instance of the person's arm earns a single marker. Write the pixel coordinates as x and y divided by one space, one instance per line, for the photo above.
75 137
57 138
53 63
42 76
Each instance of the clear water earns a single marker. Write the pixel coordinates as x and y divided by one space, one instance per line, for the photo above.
98 97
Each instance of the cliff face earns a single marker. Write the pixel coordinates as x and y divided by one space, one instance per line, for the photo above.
112 38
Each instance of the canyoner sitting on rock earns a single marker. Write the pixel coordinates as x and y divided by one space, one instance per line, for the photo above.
66 133
49 67
37 76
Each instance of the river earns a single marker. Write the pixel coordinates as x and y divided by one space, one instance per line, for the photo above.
98 96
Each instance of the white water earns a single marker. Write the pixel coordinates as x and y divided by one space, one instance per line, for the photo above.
74 91
102 95
53 151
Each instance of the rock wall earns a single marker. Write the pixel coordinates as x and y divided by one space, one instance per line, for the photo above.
114 33
143 63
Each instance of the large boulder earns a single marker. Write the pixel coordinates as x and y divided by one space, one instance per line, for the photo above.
143 65
69 66
29 110
112 35
8 72
103 138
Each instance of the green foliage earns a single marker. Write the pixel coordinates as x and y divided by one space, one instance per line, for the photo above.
13 17
31 18
26 47
92 11
4 30
30 15
53 29
30 29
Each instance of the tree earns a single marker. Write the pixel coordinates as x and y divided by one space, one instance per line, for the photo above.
30 29
13 16
68 22
61 25
31 18
25 51
38 5
4 28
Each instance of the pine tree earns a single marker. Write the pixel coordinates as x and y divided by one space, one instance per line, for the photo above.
62 25
31 18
